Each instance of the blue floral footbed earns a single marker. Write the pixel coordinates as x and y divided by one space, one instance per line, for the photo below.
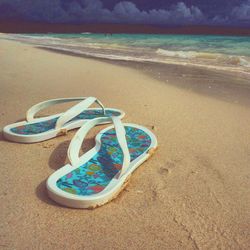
93 176
40 127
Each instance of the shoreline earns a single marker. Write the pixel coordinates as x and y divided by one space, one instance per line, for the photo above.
225 85
215 61
216 68
195 187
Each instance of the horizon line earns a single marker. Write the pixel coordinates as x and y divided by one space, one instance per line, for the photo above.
17 26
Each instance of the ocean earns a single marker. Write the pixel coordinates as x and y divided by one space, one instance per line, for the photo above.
230 53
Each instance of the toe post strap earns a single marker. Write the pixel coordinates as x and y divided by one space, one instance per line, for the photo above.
72 112
76 110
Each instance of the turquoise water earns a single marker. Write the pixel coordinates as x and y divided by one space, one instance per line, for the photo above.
231 45
230 52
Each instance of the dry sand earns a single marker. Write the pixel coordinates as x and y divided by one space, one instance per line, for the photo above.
192 194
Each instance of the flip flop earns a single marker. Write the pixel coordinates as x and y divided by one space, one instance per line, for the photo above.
98 176
41 129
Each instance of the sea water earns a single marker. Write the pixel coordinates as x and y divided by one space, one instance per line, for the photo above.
218 52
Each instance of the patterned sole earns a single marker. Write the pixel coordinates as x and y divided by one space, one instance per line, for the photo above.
126 183
97 175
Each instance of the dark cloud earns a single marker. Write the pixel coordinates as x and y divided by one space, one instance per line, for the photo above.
242 12
239 15
84 11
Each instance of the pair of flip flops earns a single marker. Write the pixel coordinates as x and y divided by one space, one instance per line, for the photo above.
99 175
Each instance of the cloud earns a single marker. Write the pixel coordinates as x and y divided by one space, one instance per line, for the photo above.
84 11
177 14
128 12
126 9
239 15
93 10
242 12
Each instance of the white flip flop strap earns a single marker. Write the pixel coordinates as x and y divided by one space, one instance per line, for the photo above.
76 110
76 142
121 137
42 105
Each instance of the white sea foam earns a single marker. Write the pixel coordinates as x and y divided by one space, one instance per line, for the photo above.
206 56
180 54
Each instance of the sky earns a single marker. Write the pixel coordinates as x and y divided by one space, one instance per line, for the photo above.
156 12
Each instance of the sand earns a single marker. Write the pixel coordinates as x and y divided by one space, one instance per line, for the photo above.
192 194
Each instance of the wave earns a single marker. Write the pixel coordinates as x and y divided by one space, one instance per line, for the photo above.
219 58
101 55
32 37
187 54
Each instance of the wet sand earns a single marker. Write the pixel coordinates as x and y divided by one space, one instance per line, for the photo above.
192 194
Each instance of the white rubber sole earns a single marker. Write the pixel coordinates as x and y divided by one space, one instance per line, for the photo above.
9 135
113 188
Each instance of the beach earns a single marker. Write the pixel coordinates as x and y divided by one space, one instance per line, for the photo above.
193 193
